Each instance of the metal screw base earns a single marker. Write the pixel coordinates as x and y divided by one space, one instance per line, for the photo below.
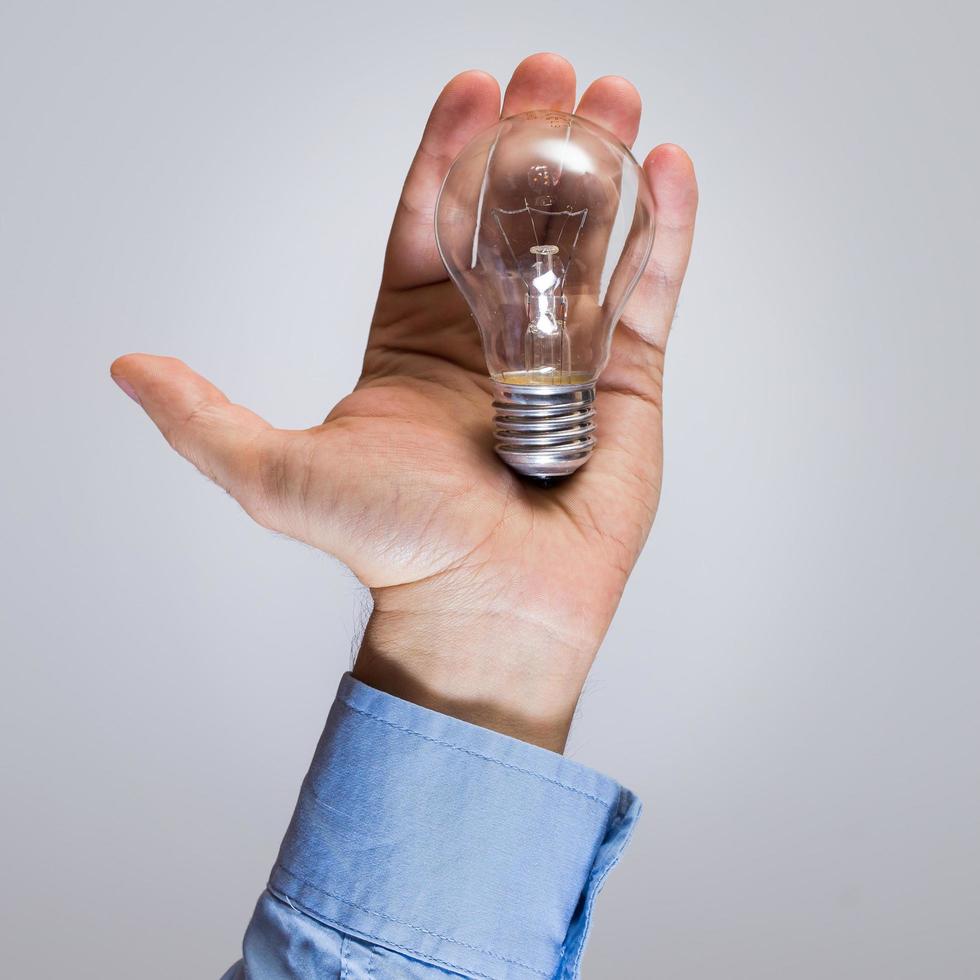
544 431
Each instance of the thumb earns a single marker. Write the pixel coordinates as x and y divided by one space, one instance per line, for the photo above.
229 444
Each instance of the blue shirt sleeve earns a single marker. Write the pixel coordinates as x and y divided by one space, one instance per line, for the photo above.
423 846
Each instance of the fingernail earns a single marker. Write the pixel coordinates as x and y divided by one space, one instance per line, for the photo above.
129 389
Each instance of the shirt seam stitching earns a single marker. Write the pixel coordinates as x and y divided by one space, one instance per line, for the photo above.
597 879
399 947
344 957
479 755
412 925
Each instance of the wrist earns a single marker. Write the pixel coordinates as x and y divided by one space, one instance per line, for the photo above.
494 671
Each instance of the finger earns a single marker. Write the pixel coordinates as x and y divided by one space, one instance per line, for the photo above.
613 103
469 104
650 310
226 442
541 81
630 387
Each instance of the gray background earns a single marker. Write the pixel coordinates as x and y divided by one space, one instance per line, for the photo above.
791 683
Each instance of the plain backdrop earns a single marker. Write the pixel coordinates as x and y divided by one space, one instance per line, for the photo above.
792 681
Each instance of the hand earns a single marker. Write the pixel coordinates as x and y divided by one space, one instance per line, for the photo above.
491 596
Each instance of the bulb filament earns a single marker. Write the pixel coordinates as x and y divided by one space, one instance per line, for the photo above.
547 351
547 356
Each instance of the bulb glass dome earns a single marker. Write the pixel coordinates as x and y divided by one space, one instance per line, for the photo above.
545 223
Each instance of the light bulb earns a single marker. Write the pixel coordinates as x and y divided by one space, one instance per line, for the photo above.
545 223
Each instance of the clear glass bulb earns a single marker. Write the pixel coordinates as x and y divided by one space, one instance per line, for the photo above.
545 223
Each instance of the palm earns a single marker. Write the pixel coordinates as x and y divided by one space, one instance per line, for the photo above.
442 504
401 482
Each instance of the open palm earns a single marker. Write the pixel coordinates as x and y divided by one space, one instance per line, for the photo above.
400 481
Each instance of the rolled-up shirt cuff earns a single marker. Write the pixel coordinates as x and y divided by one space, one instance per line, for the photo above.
450 843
